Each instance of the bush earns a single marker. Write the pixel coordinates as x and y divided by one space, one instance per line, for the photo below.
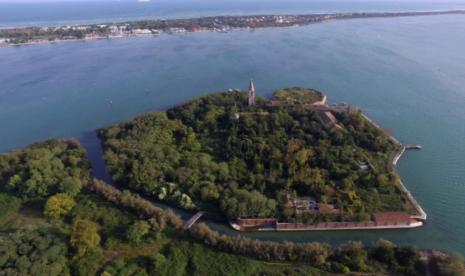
58 205
9 206
122 268
84 236
353 255
136 232
448 265
88 264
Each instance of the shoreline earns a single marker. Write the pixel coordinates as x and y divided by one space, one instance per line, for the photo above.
421 214
153 28
328 226
116 20
272 225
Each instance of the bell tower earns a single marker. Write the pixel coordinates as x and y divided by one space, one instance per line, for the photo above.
251 93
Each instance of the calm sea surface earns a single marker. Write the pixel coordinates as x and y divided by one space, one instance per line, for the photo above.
408 74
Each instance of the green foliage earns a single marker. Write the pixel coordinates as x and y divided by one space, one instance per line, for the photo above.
448 265
297 95
58 206
121 268
200 152
402 259
113 221
159 264
9 206
242 203
44 169
137 231
84 236
185 258
87 264
135 203
37 252
353 256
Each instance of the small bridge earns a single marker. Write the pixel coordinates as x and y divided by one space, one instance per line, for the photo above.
188 224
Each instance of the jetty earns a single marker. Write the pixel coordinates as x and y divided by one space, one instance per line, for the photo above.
411 146
193 220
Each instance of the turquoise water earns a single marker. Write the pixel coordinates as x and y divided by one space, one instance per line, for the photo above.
408 74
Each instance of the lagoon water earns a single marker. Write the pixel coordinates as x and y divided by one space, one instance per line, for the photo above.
408 74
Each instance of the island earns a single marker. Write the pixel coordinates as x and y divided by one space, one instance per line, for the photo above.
47 34
229 154
289 163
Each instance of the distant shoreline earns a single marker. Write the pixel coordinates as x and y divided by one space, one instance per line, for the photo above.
222 24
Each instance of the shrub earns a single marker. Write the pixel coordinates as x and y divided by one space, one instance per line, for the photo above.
137 231
58 205
84 236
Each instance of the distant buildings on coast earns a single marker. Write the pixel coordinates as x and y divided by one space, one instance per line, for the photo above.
176 26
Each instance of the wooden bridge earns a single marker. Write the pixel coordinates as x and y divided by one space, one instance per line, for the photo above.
188 224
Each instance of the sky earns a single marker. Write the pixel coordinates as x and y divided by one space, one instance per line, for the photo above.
39 1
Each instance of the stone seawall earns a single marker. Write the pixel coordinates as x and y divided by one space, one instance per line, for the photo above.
327 226
421 214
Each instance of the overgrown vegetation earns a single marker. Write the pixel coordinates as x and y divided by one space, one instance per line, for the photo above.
44 169
217 153
298 95
37 252
104 231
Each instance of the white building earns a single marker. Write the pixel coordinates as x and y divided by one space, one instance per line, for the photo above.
141 32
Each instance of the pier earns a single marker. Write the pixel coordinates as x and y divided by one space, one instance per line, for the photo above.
192 220
411 146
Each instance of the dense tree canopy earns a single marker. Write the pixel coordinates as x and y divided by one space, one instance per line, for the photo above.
38 252
217 151
44 169
116 232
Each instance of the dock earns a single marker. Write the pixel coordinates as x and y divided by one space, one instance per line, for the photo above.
411 146
192 220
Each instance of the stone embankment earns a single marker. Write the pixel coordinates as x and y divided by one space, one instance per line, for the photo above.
421 214
325 226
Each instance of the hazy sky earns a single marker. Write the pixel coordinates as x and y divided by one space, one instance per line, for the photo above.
229 1
38 1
